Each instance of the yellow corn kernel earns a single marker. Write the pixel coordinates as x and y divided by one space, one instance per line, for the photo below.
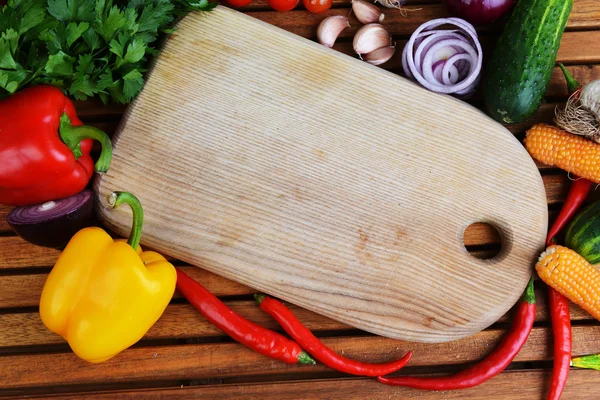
572 276
555 147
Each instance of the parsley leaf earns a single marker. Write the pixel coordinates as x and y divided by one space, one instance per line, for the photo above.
92 39
74 31
60 64
132 84
111 24
8 45
85 47
135 52
71 10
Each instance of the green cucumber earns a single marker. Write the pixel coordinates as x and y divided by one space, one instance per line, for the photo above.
583 233
520 67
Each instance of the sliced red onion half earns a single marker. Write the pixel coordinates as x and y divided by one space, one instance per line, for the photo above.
444 60
52 224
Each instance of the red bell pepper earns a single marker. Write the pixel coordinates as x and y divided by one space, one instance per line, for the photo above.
44 148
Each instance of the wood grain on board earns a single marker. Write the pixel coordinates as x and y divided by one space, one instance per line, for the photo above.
556 188
304 194
95 111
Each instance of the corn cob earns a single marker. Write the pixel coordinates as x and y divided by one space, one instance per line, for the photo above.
572 276
555 147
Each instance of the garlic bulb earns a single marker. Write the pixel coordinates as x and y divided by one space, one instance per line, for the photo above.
581 114
366 12
371 37
330 28
590 97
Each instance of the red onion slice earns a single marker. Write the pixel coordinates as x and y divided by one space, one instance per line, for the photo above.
438 67
450 67
430 41
459 49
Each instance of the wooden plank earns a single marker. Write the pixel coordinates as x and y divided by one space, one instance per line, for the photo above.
178 321
183 321
545 114
585 15
4 210
25 290
510 385
21 290
582 73
264 5
580 48
231 359
16 253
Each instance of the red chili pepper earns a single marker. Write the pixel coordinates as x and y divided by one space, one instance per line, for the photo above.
580 186
254 336
577 194
492 365
317 349
559 305
561 327
44 149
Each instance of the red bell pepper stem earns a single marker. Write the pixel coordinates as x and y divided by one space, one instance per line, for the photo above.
254 336
117 198
72 136
561 328
317 349
492 365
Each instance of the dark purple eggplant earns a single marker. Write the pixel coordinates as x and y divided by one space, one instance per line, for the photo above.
52 224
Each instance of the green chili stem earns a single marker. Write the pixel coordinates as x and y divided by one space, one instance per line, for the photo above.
117 198
305 358
529 295
572 84
259 297
591 361
73 135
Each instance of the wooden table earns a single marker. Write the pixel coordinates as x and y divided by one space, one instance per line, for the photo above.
183 356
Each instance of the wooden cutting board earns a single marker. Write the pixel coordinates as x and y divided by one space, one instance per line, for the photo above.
330 183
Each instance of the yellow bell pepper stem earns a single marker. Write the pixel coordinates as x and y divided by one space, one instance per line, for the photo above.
117 198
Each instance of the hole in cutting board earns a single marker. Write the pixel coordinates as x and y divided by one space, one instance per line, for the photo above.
482 240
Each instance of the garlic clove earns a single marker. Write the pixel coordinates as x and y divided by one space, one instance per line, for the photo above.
366 12
371 37
379 56
330 28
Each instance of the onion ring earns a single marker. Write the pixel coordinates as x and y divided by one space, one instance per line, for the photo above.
444 60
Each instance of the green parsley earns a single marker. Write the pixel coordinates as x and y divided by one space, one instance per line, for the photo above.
85 47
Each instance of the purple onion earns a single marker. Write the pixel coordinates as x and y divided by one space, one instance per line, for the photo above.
52 224
479 12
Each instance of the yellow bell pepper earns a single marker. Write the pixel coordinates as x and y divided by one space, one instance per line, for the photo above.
103 295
